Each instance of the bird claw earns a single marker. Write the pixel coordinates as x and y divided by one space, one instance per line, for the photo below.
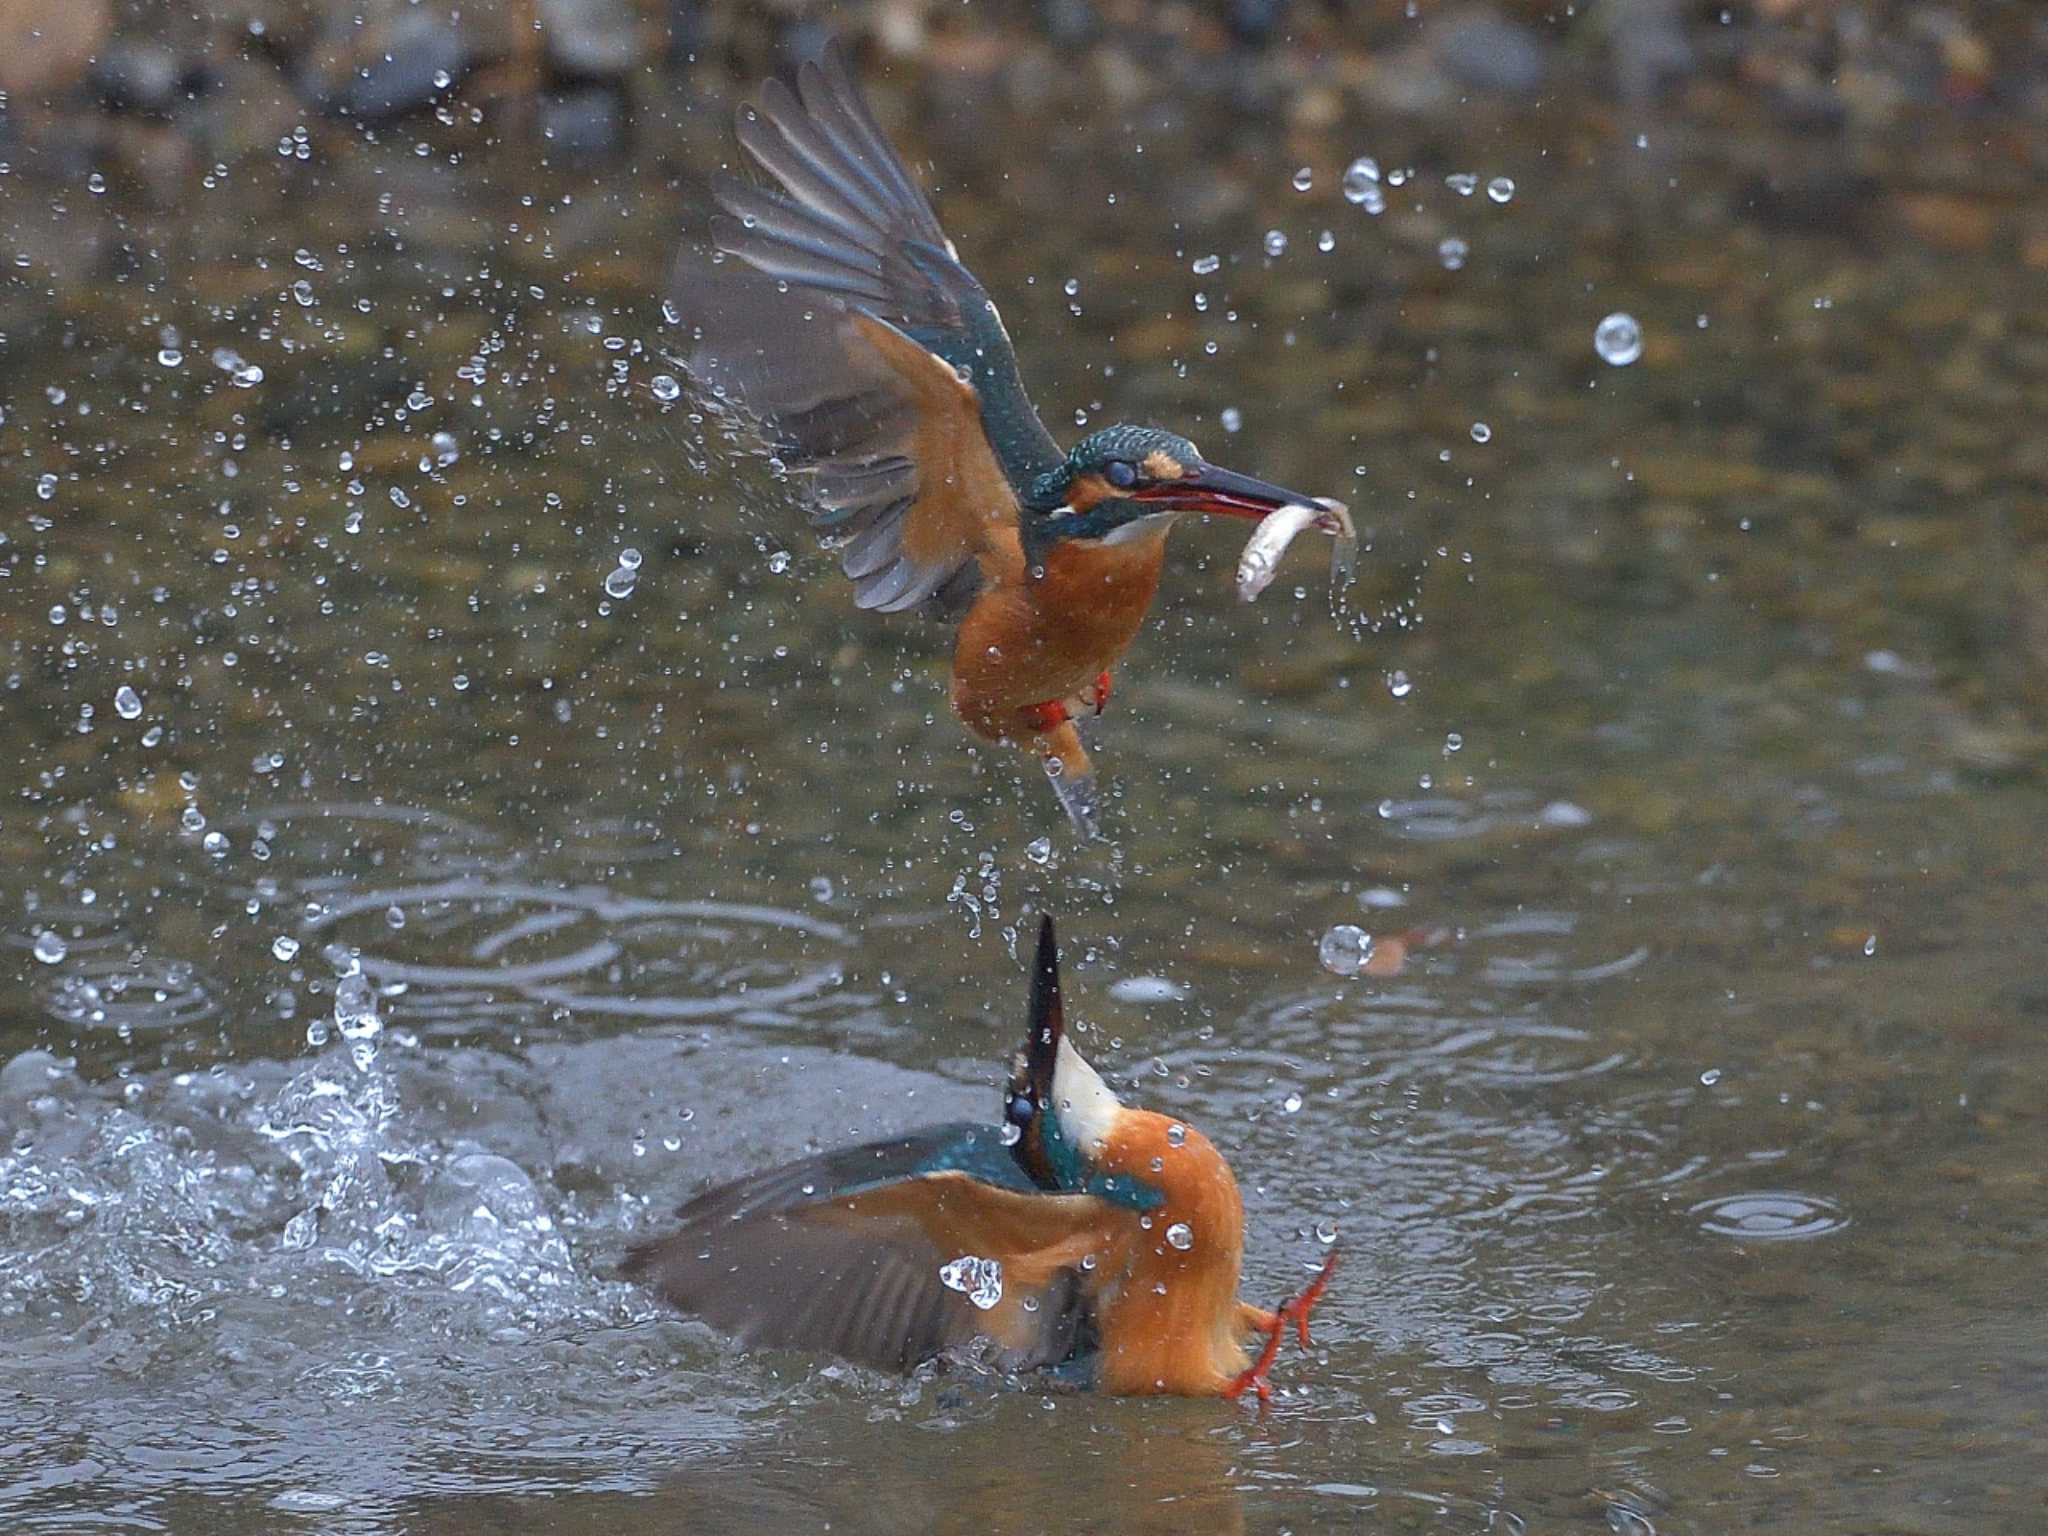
1295 1310
1099 696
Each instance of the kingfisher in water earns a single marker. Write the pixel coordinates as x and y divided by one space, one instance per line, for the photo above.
836 319
1080 1235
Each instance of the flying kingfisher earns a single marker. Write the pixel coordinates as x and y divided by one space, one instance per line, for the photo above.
1079 1234
837 319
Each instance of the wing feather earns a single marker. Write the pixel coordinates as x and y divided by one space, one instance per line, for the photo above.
858 1274
844 327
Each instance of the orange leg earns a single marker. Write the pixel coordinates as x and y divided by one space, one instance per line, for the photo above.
1294 1310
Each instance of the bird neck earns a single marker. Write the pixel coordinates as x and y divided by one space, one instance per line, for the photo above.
1170 1324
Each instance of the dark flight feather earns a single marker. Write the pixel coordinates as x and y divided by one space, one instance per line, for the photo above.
907 493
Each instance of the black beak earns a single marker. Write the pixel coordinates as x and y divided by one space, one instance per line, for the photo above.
1207 488
1047 1020
1030 1094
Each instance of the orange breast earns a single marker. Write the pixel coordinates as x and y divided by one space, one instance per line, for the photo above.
1170 1322
1046 636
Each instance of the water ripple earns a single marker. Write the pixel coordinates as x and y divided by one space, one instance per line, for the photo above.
1771 1216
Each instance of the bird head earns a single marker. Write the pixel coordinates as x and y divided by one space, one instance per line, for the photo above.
1063 1113
1124 479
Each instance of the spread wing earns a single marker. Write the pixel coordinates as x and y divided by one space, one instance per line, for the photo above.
842 323
798 1257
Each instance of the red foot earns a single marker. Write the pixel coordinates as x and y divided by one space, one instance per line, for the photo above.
1046 717
1294 1310
1100 696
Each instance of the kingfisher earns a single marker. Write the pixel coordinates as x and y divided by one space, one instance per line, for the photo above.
1080 1235
836 320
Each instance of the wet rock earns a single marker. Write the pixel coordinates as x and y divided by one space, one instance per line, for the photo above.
1069 23
590 39
384 58
1254 21
138 75
1648 45
46 48
591 121
1483 50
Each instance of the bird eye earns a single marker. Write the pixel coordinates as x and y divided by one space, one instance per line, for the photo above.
1121 475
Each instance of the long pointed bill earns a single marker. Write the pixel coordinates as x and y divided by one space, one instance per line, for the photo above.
1047 1018
1208 488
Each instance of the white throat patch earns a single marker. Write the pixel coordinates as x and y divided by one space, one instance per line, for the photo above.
1082 1100
1140 527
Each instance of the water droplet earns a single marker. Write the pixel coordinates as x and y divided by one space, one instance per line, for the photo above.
779 561
46 487
1454 743
1204 265
979 1280
1870 945
1710 1077
49 948
1291 1105
1275 243
446 449
822 888
1464 183
1326 242
1071 286
1398 684
1176 1135
620 583
1231 418
1180 1235
1481 432
1345 949
127 702
1501 188
394 917
285 947
1361 179
1326 1232
1304 179
1618 339
665 387
1452 251
1039 850
170 357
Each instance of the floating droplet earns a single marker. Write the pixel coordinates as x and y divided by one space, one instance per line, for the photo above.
285 947
1231 418
1464 183
1304 179
1361 179
665 387
1345 949
1180 1235
620 583
127 702
1481 432
1452 252
49 948
1275 243
1618 339
1204 265
1398 684
1500 189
